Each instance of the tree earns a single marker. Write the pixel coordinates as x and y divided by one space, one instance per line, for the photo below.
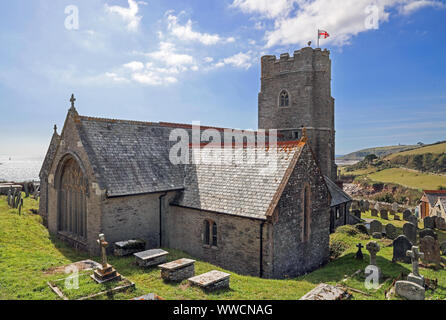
369 158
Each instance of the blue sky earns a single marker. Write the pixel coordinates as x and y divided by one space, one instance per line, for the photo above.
181 61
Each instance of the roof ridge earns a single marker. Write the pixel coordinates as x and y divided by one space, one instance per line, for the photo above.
88 118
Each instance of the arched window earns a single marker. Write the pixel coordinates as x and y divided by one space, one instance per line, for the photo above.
72 201
210 233
284 99
306 211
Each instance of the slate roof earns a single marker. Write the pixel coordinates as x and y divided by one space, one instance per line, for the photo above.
130 157
338 195
442 200
243 189
432 196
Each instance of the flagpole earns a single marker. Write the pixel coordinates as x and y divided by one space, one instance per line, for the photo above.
318 38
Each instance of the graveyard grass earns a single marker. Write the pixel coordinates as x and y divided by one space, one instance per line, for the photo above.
28 256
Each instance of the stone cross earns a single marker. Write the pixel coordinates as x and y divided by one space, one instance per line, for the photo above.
101 241
72 100
414 255
359 254
373 248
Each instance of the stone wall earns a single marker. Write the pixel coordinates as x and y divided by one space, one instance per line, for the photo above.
71 146
292 255
307 78
238 247
135 217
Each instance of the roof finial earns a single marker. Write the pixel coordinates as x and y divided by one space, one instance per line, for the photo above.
55 129
72 100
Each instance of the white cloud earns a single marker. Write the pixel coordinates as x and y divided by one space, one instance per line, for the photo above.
185 32
239 60
297 21
267 8
115 77
134 65
167 54
417 5
129 15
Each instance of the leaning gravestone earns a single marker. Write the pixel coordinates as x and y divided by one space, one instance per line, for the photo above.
428 232
406 214
374 213
384 214
400 247
409 290
391 232
410 231
429 222
443 248
431 249
376 226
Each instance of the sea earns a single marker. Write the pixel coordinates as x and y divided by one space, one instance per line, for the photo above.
20 169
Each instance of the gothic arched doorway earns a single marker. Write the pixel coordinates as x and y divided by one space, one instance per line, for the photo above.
72 201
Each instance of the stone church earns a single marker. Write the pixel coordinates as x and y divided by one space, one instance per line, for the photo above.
115 177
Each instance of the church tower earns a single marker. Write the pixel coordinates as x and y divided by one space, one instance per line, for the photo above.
295 93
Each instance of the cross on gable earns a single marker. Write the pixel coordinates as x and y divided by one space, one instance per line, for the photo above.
72 100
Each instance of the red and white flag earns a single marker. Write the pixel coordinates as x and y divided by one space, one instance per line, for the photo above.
323 34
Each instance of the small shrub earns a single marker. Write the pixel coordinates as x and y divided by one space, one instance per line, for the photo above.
337 248
348 229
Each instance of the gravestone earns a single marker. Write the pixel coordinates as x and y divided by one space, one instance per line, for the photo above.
397 217
406 214
410 231
409 290
361 205
429 222
373 248
414 221
359 255
400 247
106 273
395 207
376 226
361 228
377 235
384 214
125 248
440 223
355 205
415 276
374 213
391 231
443 248
211 281
357 214
428 232
431 249
392 212
366 205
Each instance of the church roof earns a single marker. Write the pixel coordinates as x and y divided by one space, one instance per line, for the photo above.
432 195
130 157
338 195
246 189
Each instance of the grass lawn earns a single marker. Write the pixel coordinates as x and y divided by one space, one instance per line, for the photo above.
28 254
435 149
409 179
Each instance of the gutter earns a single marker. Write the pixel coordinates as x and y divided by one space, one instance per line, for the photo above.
161 197
261 248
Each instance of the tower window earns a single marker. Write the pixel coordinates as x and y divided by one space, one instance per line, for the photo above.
284 99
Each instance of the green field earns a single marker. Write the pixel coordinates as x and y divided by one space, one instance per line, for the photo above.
378 151
408 178
435 149
28 256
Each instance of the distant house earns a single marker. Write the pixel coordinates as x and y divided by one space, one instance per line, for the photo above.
429 200
440 208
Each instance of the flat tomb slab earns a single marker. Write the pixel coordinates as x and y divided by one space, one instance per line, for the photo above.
178 270
211 281
152 257
326 292
125 248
